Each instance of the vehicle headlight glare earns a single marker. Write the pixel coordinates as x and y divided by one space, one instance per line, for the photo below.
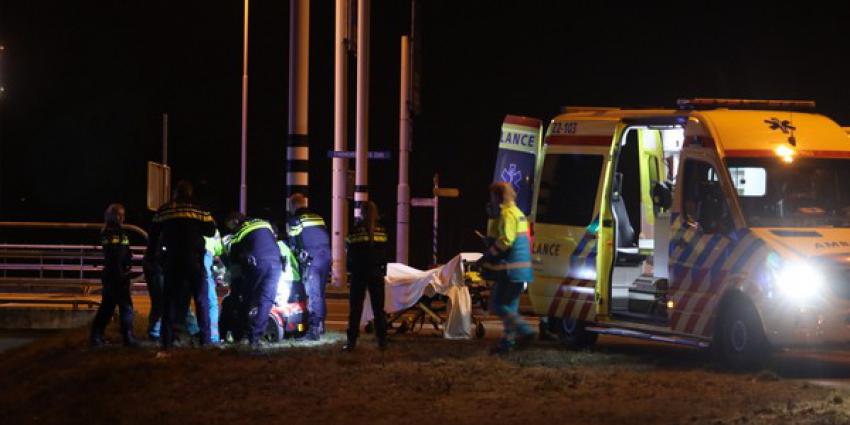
799 281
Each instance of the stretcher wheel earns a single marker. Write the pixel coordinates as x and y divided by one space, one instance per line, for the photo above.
403 327
480 331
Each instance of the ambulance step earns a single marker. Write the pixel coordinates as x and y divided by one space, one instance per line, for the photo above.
670 339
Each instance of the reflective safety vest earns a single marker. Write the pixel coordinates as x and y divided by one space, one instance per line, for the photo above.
509 254
291 271
213 244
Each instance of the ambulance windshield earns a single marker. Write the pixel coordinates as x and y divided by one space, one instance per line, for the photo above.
808 192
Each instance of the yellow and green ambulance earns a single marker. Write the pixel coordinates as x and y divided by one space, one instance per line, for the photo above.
721 223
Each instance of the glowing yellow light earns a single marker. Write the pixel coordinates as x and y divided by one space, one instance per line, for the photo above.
670 305
786 153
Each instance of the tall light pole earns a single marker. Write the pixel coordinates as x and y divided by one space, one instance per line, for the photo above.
2 89
298 147
339 166
361 176
243 186
403 190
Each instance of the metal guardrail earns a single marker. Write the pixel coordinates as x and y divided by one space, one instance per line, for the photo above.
50 268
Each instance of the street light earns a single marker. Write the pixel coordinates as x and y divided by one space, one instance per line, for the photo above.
2 88
243 186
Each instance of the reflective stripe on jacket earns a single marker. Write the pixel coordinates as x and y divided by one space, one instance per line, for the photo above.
307 231
509 255
367 256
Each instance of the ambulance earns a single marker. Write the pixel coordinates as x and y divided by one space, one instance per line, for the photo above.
721 223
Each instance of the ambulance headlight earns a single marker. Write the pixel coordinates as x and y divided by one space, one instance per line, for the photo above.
800 281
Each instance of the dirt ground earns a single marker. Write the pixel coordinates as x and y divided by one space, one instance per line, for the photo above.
419 379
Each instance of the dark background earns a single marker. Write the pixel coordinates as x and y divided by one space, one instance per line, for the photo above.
87 81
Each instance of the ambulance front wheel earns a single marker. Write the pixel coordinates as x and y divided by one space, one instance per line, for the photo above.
739 339
573 333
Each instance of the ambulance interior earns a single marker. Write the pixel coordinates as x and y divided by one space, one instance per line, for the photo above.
649 156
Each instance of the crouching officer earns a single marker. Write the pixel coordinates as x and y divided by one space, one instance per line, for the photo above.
115 278
507 262
308 237
253 248
179 227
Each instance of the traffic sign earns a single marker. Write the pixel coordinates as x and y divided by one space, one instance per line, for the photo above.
353 154
422 202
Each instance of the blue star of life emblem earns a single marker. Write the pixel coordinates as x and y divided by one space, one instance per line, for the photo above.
512 175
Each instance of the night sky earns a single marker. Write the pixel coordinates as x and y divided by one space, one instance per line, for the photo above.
87 82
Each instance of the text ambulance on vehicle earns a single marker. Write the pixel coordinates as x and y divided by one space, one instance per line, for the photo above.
723 223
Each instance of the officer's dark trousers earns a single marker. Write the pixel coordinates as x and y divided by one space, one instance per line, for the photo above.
260 279
315 283
185 274
231 319
359 285
116 292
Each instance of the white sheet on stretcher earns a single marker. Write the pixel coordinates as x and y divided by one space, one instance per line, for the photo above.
405 285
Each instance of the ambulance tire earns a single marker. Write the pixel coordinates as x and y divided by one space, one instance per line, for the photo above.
572 333
739 340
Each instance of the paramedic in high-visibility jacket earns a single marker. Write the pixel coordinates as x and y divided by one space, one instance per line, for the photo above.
308 237
507 262
255 255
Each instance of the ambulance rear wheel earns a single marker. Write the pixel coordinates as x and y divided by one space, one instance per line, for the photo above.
574 335
739 340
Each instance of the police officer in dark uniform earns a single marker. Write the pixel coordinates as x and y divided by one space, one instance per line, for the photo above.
253 251
367 263
117 260
179 226
308 237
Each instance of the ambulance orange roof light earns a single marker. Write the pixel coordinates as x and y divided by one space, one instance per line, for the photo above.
703 103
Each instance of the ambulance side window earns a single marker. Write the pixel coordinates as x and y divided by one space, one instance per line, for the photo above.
568 185
703 202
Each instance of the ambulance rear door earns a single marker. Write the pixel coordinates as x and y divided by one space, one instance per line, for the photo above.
567 222
517 158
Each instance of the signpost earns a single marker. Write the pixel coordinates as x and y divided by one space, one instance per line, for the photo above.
434 202
159 185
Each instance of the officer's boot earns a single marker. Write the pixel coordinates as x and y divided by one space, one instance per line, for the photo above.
127 328
316 328
129 338
96 339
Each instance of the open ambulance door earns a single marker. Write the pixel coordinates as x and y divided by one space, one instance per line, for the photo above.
606 236
627 286
518 157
